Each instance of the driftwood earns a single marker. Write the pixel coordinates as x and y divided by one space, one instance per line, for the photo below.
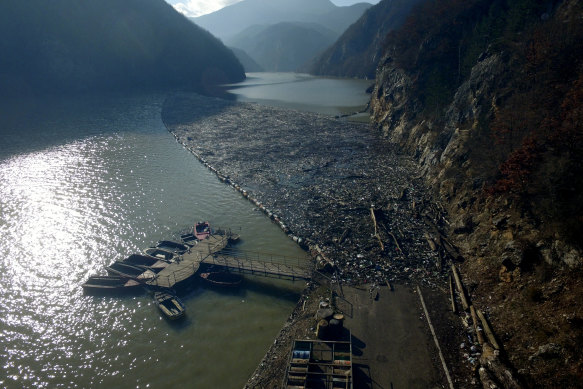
376 232
477 329
396 242
491 360
430 242
486 379
488 330
460 288
344 235
452 295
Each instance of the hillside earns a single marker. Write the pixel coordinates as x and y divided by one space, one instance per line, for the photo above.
487 94
357 52
67 46
231 20
283 47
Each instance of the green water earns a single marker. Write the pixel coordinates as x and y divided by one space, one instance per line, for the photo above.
91 181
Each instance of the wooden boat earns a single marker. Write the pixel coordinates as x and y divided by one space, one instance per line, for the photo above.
110 284
222 278
160 254
146 261
169 304
173 247
189 239
126 270
202 230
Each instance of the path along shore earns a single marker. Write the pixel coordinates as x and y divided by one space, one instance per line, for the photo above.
346 195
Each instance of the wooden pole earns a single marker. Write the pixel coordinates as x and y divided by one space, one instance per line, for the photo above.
376 233
460 288
435 338
452 295
488 330
477 329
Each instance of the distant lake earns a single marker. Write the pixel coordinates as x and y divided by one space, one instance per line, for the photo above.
328 96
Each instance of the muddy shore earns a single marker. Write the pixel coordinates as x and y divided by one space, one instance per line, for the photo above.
345 195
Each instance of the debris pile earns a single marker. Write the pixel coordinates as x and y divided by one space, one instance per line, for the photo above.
335 187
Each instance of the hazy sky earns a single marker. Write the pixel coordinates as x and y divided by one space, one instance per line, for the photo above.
201 7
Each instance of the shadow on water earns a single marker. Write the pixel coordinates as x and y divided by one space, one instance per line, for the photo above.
191 107
250 284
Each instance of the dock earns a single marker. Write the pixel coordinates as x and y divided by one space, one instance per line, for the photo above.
190 261
213 251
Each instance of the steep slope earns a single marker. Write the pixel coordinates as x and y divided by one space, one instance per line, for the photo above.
487 94
231 20
66 46
249 64
285 46
357 52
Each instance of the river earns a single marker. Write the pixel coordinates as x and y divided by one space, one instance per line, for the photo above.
89 181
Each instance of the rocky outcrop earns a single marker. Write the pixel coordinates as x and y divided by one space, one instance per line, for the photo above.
517 262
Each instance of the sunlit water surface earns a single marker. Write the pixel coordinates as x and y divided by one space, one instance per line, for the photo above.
328 96
84 183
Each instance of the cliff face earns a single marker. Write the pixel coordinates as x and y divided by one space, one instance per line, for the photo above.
488 98
357 52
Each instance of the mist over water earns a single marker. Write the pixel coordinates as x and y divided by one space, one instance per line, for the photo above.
91 181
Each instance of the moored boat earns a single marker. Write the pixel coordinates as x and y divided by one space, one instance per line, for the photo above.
126 270
147 261
173 247
189 239
110 284
169 304
222 278
160 254
202 230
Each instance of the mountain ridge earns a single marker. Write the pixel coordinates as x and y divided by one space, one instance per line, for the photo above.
229 21
65 46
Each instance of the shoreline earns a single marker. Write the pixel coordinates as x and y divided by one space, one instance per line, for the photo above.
330 202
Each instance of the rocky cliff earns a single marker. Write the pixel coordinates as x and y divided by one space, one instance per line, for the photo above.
487 95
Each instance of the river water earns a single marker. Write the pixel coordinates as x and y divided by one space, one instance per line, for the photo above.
89 181
303 92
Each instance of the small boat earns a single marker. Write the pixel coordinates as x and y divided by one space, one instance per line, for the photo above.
126 270
222 278
110 284
146 261
173 247
160 254
169 304
189 239
202 230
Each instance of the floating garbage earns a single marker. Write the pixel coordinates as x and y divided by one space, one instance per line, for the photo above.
318 178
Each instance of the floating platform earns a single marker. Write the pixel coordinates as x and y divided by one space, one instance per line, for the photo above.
189 262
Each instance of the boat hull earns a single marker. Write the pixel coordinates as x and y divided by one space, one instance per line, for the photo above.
222 279
97 285
170 305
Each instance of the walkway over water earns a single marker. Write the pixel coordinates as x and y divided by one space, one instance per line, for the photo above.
256 263
214 251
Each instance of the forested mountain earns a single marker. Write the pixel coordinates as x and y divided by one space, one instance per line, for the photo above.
249 64
488 95
283 47
231 20
357 52
66 46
